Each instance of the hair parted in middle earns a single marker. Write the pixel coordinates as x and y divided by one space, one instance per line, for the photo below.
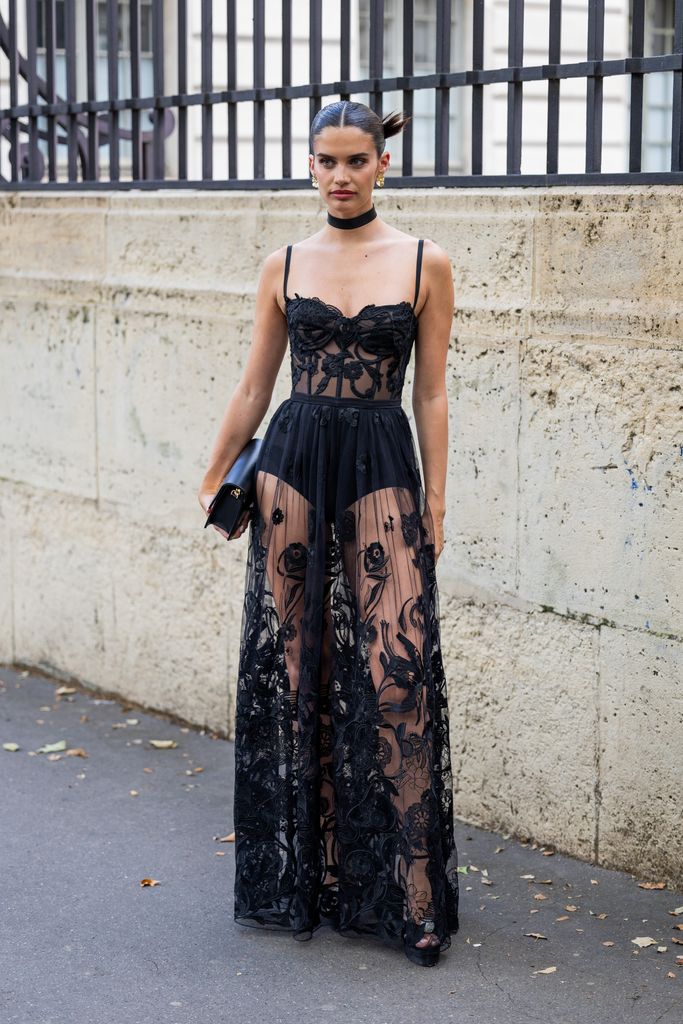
348 113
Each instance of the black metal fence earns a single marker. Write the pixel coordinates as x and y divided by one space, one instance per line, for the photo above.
35 132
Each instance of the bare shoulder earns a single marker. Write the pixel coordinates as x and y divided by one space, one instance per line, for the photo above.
271 276
274 262
435 259
437 274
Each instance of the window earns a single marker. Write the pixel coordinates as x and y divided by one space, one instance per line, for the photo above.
424 62
657 112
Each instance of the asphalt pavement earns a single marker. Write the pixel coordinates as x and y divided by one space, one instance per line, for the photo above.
97 805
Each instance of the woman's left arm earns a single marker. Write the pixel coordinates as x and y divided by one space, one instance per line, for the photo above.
430 397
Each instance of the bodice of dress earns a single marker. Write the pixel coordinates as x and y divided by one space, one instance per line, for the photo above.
361 356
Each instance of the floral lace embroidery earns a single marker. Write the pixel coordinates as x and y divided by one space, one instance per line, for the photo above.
361 356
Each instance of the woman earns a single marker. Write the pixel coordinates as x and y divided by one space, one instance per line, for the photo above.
343 793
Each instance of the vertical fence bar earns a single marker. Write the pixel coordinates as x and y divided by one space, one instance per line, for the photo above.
50 9
376 52
158 74
232 84
345 45
515 95
407 135
259 76
554 55
286 108
182 89
72 122
442 96
92 164
477 88
635 154
315 45
595 51
677 95
14 137
134 48
113 87
32 85
207 85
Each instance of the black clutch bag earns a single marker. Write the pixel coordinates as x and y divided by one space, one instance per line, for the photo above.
237 493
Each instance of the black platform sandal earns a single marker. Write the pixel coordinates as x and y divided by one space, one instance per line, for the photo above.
427 956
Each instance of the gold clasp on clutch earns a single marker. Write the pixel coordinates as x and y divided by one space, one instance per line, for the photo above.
236 492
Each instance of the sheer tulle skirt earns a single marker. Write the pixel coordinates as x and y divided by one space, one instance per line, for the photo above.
343 805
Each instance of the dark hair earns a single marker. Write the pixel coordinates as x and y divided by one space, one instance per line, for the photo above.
347 113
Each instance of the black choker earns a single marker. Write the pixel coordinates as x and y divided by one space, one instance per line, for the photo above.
352 222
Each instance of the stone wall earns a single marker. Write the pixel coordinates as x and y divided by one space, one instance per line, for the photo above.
126 320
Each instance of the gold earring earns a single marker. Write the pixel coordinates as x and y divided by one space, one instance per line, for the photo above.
314 182
380 180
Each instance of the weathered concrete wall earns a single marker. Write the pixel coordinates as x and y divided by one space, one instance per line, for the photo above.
126 319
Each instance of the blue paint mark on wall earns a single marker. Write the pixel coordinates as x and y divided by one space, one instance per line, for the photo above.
634 482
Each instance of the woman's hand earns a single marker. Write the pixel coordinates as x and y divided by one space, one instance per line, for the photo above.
205 499
433 521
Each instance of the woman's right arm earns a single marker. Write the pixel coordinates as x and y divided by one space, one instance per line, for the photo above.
250 399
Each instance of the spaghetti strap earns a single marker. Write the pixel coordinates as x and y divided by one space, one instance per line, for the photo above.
287 262
420 245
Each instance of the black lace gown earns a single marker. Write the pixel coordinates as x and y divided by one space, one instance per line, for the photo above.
343 806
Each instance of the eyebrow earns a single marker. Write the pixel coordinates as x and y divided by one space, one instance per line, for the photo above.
327 155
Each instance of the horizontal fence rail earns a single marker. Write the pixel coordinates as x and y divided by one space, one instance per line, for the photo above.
89 131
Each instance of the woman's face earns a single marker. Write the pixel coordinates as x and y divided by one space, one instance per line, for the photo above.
345 160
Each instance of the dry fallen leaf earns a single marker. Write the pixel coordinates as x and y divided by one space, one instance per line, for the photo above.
50 747
678 910
548 853
65 689
149 881
227 839
544 881
643 940
546 970
678 926
662 949
652 885
163 744
540 896
670 974
565 917
54 757
134 792
10 746
76 752
674 938
608 943
571 908
535 935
